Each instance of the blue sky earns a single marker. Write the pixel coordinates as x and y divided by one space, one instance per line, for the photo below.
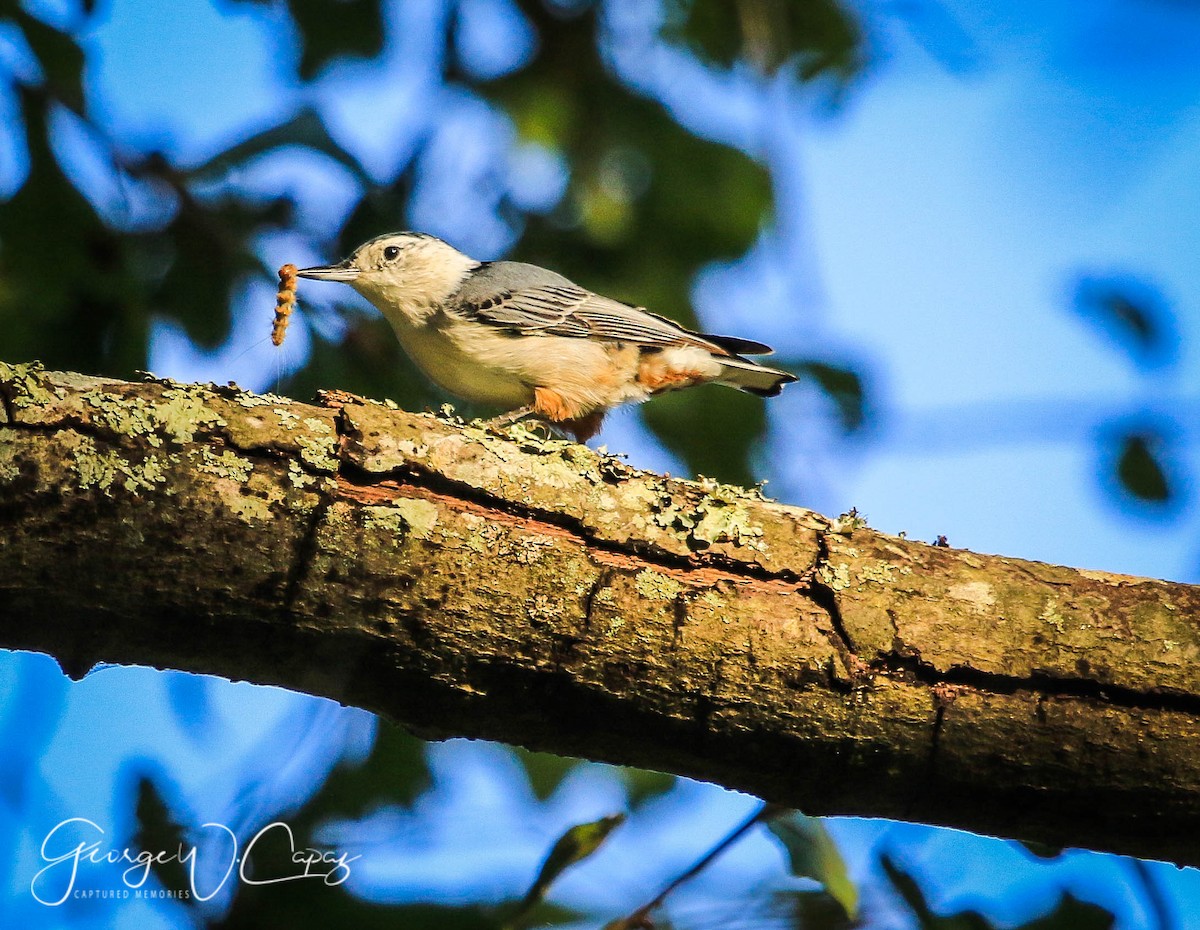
931 229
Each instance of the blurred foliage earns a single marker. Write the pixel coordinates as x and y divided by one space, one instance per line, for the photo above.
843 385
545 771
189 699
814 36
1069 914
1136 320
642 786
1132 315
157 829
1140 465
778 910
1040 850
351 28
393 777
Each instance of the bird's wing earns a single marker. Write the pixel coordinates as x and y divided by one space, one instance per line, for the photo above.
558 311
528 299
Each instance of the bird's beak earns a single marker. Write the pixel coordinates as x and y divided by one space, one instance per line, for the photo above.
343 271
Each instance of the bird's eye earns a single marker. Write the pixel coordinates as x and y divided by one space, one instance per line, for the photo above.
391 253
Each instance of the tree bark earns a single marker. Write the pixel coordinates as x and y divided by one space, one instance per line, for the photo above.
464 582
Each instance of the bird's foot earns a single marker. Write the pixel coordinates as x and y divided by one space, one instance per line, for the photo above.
508 419
530 419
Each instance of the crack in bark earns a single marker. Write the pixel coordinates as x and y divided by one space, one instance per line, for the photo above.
9 404
603 579
906 660
645 551
1036 578
679 618
825 597
928 785
306 552
935 738
706 704
1041 708
700 568
1039 683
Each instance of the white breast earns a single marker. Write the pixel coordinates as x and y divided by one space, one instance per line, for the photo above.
473 368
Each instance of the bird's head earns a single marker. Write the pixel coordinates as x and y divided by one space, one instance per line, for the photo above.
405 274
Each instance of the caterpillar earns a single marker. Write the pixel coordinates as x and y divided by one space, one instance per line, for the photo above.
285 302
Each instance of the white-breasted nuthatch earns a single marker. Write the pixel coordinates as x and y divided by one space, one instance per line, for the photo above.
519 337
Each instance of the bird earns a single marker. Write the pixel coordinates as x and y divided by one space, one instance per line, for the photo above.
529 341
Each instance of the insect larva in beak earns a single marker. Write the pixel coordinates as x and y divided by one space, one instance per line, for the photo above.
285 302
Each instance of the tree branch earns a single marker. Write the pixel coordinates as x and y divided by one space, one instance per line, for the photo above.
538 592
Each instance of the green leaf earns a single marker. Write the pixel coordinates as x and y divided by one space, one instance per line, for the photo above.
574 846
1133 314
545 771
812 854
1140 470
642 785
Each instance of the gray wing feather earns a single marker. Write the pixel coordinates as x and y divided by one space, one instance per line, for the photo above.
531 300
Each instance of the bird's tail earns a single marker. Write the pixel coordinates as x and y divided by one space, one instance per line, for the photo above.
752 377
742 373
